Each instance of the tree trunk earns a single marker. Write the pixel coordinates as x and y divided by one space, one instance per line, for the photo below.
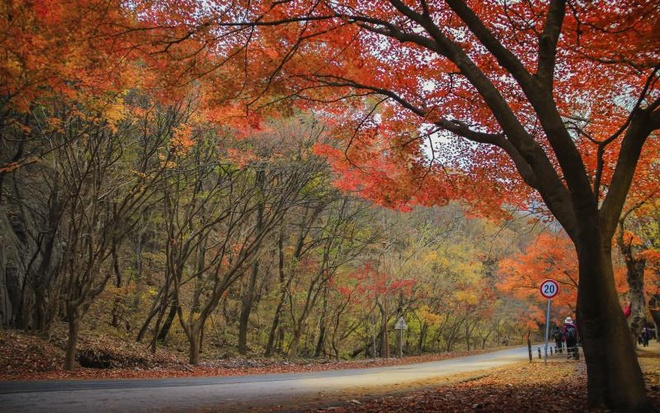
614 378
246 309
655 314
273 330
285 283
635 276
384 330
248 297
423 332
467 336
636 295
635 267
165 329
195 345
294 347
320 343
116 307
72 340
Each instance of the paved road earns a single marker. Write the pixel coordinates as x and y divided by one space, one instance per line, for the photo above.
237 394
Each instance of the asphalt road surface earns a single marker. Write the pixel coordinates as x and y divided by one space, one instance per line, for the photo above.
266 392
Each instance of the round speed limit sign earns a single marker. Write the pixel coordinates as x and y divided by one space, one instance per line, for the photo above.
549 288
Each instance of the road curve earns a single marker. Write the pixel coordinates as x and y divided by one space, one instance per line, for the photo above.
285 392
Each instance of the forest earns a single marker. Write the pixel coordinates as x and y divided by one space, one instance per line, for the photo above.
257 254
299 179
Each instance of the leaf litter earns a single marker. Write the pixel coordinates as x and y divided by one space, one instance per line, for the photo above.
556 386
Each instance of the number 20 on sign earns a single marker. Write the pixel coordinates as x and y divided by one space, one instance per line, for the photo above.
549 289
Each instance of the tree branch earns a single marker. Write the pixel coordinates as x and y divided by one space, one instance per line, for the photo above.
641 125
548 43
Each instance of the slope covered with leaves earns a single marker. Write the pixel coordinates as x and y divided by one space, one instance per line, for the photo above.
27 357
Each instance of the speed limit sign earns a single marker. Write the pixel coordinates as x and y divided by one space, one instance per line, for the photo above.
549 288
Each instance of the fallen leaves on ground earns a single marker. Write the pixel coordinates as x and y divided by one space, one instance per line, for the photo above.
26 357
556 386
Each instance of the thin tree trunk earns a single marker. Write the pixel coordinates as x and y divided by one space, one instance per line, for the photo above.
155 309
284 288
422 337
383 330
116 307
320 344
274 328
248 296
72 341
165 329
246 309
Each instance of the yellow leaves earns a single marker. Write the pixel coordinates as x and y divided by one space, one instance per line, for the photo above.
165 161
426 315
181 139
467 297
55 124
114 113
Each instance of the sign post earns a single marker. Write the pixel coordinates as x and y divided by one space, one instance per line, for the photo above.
549 289
401 325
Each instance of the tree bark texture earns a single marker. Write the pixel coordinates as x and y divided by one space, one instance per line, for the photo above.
614 378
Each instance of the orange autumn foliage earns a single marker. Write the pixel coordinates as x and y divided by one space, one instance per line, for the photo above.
56 48
409 118
550 256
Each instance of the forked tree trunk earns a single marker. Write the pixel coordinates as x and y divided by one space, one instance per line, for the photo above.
614 377
165 329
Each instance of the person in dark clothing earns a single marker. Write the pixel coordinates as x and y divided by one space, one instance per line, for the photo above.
645 336
558 336
570 333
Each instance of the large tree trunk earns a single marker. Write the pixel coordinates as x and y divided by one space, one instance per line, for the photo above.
635 277
614 377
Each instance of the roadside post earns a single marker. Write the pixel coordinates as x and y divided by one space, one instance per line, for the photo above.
373 331
549 289
401 325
